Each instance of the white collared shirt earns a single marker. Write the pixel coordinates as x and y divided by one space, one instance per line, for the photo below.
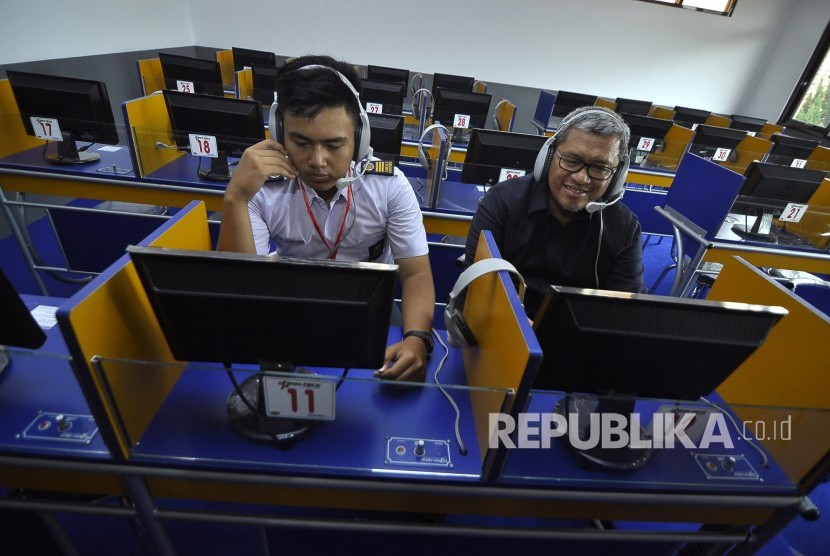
384 222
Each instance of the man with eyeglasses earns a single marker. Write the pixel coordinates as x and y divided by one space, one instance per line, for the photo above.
563 224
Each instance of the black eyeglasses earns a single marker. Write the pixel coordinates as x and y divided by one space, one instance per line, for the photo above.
573 165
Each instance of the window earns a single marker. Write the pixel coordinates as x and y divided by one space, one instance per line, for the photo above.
721 7
809 104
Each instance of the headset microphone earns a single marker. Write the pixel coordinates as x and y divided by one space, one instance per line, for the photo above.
595 206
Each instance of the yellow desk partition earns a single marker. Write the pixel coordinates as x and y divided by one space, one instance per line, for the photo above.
148 123
750 148
662 112
675 142
718 121
112 317
225 59
507 355
606 103
13 136
769 129
505 115
819 159
152 77
788 376
244 80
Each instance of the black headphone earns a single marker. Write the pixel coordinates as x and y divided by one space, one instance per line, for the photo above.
616 188
362 134
459 333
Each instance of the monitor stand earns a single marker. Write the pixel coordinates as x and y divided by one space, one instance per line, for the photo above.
247 416
219 169
582 405
68 153
761 229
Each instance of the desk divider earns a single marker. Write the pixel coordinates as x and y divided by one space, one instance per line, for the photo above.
151 75
226 67
147 123
507 357
13 136
718 121
662 112
790 370
749 149
676 141
816 220
112 317
819 158
244 83
770 129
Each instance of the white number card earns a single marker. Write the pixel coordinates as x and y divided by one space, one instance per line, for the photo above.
645 144
461 121
798 163
185 86
46 128
299 396
793 212
510 173
721 154
203 145
374 108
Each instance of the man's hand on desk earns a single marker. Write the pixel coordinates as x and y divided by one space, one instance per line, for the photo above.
258 163
405 360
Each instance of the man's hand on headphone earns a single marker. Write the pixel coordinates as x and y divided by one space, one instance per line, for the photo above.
258 163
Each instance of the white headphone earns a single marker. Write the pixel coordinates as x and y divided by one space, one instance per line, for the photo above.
459 333
363 151
422 156
416 107
616 188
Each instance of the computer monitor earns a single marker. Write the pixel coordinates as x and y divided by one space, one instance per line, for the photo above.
382 97
18 328
632 106
267 311
386 136
766 191
787 149
389 75
647 135
708 139
449 104
605 349
567 101
688 117
246 58
80 106
492 154
747 123
264 82
235 123
191 75
451 82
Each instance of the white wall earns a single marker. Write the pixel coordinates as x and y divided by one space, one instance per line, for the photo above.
606 47
49 29
745 64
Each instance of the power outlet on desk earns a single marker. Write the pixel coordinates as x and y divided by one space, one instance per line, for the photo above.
720 466
418 452
62 427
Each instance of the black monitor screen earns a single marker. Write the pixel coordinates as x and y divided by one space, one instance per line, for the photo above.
708 139
390 75
451 82
264 82
605 349
236 124
81 107
649 128
183 73
449 103
632 106
490 151
386 136
388 95
245 58
567 101
747 123
17 325
687 117
785 149
236 308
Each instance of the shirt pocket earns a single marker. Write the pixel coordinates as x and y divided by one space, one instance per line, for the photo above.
372 246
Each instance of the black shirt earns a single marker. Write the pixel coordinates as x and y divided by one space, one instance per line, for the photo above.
545 252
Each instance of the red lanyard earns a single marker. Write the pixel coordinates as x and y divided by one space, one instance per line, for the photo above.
332 250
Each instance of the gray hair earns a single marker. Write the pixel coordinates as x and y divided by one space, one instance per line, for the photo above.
596 120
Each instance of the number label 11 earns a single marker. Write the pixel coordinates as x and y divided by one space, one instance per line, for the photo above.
299 396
